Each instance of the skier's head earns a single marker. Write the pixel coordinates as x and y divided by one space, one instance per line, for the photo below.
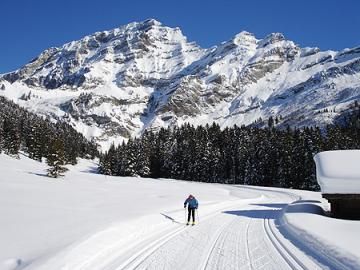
191 196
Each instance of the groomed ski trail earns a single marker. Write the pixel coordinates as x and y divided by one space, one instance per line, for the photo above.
239 234
233 239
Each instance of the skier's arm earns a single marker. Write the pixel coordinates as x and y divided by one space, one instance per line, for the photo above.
197 205
185 203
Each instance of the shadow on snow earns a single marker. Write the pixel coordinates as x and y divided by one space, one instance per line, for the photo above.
257 213
309 248
170 218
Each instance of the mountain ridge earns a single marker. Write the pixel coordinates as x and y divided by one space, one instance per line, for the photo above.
112 85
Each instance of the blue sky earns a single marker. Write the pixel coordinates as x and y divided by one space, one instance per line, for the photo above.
30 26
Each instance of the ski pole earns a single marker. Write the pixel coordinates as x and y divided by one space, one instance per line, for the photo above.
185 214
197 213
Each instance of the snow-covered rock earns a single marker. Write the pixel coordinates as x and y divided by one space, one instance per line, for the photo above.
114 84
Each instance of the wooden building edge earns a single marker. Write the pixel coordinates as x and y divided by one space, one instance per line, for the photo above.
345 206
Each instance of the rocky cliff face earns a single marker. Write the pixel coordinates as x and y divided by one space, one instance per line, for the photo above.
112 85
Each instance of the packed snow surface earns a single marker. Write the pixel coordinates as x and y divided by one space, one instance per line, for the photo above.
338 171
90 221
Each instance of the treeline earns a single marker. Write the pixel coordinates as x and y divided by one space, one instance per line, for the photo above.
59 143
237 155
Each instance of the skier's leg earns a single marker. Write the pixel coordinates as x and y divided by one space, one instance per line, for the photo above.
189 213
193 214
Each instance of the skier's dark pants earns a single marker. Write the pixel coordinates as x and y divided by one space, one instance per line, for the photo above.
191 212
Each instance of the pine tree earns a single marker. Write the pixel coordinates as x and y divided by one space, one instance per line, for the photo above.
34 141
128 160
271 122
105 165
1 134
56 159
155 155
12 140
143 149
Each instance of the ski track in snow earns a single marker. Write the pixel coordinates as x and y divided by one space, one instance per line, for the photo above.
236 239
242 236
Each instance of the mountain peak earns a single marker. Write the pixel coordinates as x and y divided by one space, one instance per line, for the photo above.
244 38
151 21
271 39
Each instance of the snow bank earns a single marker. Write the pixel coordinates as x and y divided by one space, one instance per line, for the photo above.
11 264
327 239
338 171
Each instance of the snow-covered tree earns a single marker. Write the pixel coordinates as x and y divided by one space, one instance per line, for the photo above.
56 159
1 135
12 140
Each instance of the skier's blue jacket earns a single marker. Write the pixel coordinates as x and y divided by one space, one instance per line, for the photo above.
192 202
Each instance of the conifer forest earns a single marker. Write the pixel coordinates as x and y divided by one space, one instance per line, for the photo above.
58 143
271 156
237 155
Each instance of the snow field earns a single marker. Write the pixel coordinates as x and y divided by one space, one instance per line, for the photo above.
42 217
89 221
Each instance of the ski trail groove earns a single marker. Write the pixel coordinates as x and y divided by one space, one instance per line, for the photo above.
218 236
227 254
247 244
285 253
144 253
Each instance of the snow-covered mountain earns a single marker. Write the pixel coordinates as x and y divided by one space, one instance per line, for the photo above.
114 84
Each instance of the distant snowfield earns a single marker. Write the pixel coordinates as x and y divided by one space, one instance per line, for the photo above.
89 221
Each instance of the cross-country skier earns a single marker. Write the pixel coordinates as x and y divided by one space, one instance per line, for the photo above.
192 205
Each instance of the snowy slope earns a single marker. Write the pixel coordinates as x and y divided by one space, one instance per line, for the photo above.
112 85
89 221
